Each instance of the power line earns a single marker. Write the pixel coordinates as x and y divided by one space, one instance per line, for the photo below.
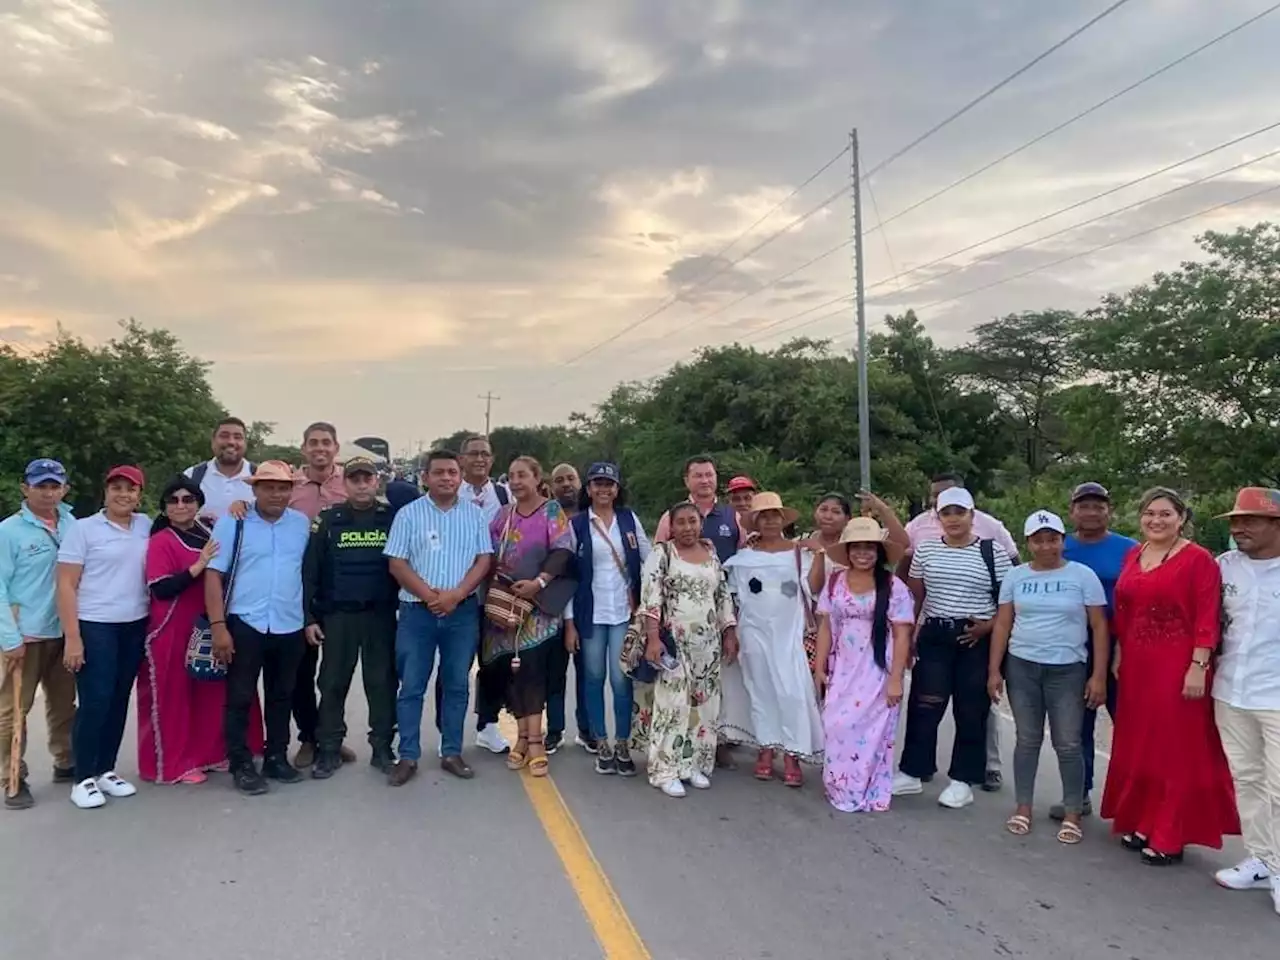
778 206
999 86
1079 116
884 234
723 269
1104 216
1106 246
756 334
1111 213
1075 226
671 301
1067 209
701 317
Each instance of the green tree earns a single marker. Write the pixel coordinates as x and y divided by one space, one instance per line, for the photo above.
1023 360
131 400
1194 356
260 445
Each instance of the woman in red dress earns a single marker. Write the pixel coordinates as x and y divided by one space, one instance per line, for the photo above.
1168 784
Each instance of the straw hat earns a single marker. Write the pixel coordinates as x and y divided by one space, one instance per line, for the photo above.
769 501
268 470
864 530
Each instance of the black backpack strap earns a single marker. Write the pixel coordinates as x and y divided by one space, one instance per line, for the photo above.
988 550
198 472
501 493
253 467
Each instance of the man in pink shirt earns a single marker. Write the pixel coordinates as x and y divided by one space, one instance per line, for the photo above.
927 526
317 486
986 527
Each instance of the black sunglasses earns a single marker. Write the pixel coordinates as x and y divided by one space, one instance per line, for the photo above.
182 499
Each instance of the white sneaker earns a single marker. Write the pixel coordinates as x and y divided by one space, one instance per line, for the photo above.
673 788
491 739
1251 874
956 795
905 786
86 795
700 781
114 786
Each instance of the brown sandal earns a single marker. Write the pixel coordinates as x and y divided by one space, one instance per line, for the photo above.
539 765
517 758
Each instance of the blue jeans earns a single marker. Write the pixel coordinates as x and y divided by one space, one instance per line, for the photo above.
1037 690
600 654
112 655
419 634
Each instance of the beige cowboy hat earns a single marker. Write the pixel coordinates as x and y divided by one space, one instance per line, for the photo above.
768 501
864 530
268 470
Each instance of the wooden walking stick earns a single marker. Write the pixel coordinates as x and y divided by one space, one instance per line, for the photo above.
19 732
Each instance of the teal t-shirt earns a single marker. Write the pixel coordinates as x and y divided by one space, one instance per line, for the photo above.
1051 620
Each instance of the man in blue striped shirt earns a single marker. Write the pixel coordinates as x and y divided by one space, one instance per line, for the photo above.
440 553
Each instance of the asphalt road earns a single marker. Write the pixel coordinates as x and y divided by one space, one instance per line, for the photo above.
442 868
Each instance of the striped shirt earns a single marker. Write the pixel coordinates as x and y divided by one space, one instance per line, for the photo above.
439 545
957 584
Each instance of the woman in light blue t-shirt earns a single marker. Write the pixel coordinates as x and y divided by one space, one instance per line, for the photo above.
1047 609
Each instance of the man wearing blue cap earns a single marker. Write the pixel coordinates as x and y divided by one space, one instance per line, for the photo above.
30 632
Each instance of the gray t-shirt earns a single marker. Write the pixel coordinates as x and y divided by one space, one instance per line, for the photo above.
1051 620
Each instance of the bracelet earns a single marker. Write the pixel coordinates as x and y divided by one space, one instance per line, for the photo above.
216 623
1202 666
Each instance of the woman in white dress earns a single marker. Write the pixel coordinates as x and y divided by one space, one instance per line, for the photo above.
770 581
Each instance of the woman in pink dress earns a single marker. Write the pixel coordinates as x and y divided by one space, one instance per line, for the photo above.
180 718
864 639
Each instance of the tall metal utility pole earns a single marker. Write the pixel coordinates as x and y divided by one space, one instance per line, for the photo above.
488 399
864 413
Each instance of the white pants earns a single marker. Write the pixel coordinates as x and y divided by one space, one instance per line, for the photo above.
1251 740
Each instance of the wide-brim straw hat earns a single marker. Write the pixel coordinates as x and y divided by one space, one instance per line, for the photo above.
268 470
864 530
769 501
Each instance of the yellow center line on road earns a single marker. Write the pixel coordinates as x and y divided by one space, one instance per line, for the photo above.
613 928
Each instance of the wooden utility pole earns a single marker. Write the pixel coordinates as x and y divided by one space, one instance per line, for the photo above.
488 399
864 413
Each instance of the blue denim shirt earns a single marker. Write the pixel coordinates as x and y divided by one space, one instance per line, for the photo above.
267 590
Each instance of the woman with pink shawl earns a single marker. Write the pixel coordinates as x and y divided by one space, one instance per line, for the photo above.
180 719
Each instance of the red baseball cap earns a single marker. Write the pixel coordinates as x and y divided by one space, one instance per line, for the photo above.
741 483
132 474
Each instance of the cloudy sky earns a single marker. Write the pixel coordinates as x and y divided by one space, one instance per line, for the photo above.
374 211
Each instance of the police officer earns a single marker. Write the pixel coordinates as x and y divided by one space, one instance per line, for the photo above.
350 601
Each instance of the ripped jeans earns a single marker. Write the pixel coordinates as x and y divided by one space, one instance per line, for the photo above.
945 671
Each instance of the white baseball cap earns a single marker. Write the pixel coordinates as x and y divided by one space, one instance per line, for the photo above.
954 497
1043 520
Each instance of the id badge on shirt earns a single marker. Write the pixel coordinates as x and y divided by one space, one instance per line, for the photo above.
433 539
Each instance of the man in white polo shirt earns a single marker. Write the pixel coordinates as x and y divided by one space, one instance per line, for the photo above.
224 479
1246 688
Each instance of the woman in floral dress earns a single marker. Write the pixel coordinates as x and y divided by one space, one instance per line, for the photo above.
683 591
864 638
